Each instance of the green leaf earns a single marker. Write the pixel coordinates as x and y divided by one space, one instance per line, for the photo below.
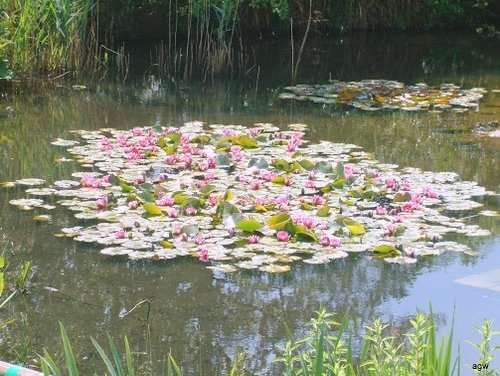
170 149
152 209
325 167
68 353
161 143
200 139
180 198
148 187
323 211
226 208
259 163
402 197
301 233
306 206
146 196
249 225
223 160
246 141
104 357
1 283
279 221
192 202
355 228
166 244
306 164
2 262
207 189
174 137
128 356
327 188
295 166
222 142
260 208
280 179
115 180
339 183
399 231
386 250
228 196
281 164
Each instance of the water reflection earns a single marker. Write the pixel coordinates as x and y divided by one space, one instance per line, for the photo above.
203 320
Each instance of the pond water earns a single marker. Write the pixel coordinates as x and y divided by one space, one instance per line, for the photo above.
203 320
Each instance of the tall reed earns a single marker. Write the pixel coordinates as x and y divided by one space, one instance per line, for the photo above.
47 36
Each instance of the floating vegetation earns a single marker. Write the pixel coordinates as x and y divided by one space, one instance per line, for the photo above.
372 95
253 198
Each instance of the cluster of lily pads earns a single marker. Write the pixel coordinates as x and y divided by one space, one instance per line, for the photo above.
372 95
251 198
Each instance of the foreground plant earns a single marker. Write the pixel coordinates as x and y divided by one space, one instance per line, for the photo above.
327 350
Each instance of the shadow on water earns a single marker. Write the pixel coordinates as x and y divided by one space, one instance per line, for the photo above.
203 319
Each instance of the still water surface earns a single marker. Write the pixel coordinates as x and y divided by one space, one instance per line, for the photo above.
203 320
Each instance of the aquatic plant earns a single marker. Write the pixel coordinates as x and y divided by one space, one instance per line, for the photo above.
161 193
327 349
373 95
46 36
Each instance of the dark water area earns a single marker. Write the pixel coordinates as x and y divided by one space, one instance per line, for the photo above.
203 320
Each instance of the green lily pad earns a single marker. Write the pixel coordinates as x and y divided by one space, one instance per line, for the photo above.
279 221
355 228
152 209
249 225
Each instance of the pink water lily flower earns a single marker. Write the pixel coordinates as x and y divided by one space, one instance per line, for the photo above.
133 205
199 240
137 131
409 207
318 200
283 236
254 132
165 201
120 234
310 184
212 200
90 181
328 240
390 183
406 186
172 212
139 179
380 210
102 202
291 147
253 239
203 255
430 193
191 211
391 229
255 185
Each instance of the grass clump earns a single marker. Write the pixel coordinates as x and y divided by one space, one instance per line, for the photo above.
327 350
46 36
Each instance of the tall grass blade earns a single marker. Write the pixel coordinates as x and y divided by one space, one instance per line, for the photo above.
128 355
49 367
68 353
116 356
105 358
